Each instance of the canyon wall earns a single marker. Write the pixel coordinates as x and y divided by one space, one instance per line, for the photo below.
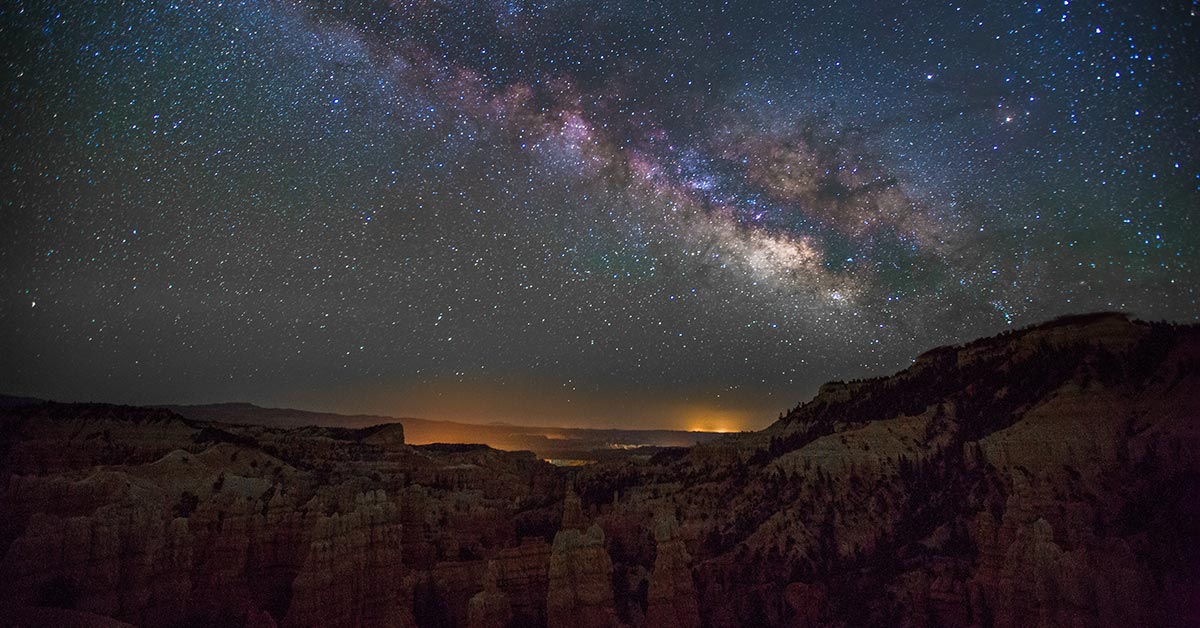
1045 477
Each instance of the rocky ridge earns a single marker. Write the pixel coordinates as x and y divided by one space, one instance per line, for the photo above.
1046 476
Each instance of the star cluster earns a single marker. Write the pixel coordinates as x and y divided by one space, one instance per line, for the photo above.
636 214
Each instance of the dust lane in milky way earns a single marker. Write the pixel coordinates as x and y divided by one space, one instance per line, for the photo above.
574 213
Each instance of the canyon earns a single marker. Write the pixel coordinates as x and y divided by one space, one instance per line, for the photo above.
1048 476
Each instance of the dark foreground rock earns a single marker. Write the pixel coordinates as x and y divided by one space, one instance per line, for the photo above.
1046 477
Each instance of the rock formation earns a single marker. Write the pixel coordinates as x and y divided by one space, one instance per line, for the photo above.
490 608
580 594
523 573
144 517
672 594
580 591
1046 477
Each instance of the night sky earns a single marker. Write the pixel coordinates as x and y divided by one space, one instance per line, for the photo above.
624 214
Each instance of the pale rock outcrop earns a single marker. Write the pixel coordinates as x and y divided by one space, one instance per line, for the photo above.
572 518
351 575
672 595
580 593
523 573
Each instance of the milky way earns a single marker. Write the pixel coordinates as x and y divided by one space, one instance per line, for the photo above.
684 215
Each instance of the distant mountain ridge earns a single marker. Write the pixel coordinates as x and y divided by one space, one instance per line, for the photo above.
547 442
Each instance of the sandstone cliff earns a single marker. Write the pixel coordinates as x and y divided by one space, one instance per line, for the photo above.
1045 476
144 517
1048 477
672 594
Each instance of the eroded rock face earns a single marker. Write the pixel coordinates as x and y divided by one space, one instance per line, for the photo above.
580 591
572 518
580 594
236 525
1048 477
490 608
352 572
523 573
672 593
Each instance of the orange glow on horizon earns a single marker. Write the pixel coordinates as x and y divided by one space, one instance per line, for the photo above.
706 427
533 403
701 418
